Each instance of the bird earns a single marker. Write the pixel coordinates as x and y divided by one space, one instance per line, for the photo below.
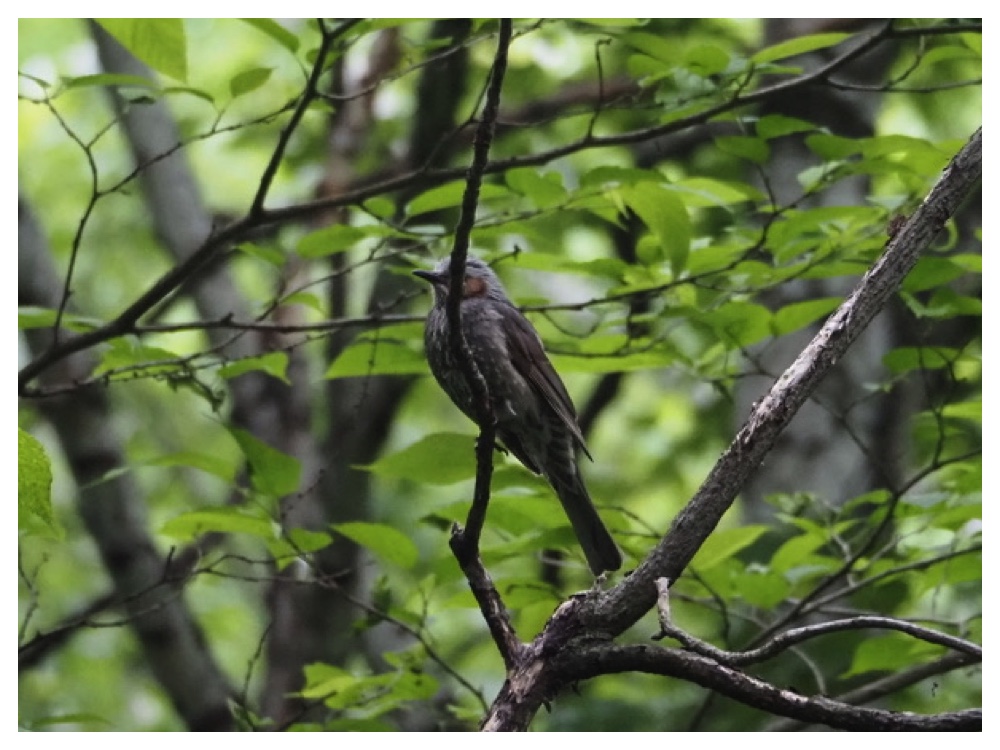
535 417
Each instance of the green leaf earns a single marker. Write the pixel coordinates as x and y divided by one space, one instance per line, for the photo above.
112 79
905 359
41 317
606 268
441 458
366 696
803 230
723 545
395 350
775 126
667 218
35 317
271 255
971 410
544 190
971 262
657 47
931 271
973 41
889 653
706 59
800 314
719 580
738 323
34 488
126 354
653 359
376 358
158 42
81 720
920 155
796 551
329 240
948 53
272 472
308 299
210 463
200 93
833 147
705 191
304 540
297 542
380 206
340 237
798 46
613 353
745 147
414 685
866 502
962 569
388 544
608 176
761 588
248 80
276 31
324 679
274 364
715 257
449 196
228 520
518 513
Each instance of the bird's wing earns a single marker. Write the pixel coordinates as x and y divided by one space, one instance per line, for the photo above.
529 359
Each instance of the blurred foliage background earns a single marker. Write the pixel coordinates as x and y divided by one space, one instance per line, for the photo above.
255 475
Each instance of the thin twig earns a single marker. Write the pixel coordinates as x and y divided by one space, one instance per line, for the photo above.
468 540
789 638
310 93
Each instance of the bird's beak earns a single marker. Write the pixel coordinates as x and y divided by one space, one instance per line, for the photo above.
431 276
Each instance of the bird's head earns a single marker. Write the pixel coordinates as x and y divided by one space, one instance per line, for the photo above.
480 281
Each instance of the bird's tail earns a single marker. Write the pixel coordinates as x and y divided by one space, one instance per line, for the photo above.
598 546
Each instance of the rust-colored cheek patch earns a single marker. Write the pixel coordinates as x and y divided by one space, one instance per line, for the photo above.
474 287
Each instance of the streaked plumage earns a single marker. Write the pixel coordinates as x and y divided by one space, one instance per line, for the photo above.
536 420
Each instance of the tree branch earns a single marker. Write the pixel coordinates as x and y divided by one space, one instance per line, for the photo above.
887 685
627 602
789 638
594 660
206 249
309 94
603 615
465 543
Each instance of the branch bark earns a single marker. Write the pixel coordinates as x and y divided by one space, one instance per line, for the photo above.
602 659
601 616
887 686
626 603
465 543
